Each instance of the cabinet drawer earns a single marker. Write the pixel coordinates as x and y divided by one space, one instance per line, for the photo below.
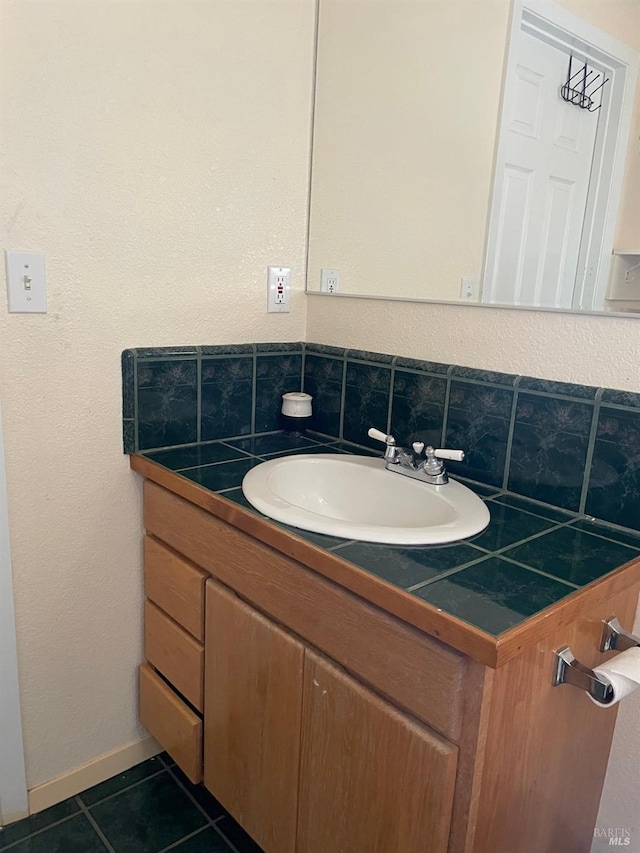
172 723
174 653
175 585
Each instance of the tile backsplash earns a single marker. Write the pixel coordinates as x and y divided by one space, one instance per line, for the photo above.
569 446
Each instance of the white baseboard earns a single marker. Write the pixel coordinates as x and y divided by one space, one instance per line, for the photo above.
96 771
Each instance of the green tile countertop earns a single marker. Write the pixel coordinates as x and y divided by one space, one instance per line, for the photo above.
528 558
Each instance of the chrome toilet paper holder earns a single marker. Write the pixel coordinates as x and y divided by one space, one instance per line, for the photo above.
568 670
615 638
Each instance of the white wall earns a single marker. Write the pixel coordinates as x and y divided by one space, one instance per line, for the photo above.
157 152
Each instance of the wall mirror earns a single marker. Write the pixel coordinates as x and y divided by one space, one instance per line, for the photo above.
447 165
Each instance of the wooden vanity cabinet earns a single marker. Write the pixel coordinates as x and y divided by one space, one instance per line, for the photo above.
369 777
331 723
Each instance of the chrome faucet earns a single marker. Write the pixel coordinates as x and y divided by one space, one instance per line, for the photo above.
420 463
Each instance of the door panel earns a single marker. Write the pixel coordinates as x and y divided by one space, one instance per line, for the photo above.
253 707
371 778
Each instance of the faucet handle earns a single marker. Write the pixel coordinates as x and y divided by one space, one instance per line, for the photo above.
455 455
381 436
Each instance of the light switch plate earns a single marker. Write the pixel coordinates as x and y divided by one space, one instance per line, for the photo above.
26 282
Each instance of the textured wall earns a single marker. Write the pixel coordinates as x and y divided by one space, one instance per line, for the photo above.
137 154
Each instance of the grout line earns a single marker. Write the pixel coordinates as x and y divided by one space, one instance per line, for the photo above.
343 395
120 790
136 425
254 389
85 811
445 410
591 448
302 368
36 832
510 434
199 394
211 821
448 572
543 573
495 499
610 538
392 380
185 838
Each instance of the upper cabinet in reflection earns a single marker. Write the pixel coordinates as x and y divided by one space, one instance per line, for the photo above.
446 166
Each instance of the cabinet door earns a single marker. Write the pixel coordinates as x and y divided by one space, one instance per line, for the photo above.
371 779
253 707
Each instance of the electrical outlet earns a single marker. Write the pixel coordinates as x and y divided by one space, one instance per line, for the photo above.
330 281
278 290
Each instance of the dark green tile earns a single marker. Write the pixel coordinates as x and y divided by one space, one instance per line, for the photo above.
572 555
622 536
508 525
323 380
234 833
128 384
261 444
224 475
165 352
478 423
75 835
366 402
167 403
367 355
296 346
621 398
407 567
418 408
275 375
228 349
528 506
324 349
348 447
567 389
483 375
423 366
148 817
226 396
479 488
129 436
206 841
200 794
190 457
22 828
549 450
303 451
614 479
493 595
123 780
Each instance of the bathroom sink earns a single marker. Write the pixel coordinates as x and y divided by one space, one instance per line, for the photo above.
355 497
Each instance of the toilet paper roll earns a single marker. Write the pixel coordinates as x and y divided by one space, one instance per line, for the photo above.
623 674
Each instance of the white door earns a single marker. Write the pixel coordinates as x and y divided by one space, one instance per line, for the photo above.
548 154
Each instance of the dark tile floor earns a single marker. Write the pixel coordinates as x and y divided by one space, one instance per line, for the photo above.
151 808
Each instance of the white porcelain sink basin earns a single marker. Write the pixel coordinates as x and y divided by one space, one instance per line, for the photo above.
354 497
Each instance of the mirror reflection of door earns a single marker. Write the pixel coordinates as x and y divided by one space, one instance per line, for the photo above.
551 222
549 152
